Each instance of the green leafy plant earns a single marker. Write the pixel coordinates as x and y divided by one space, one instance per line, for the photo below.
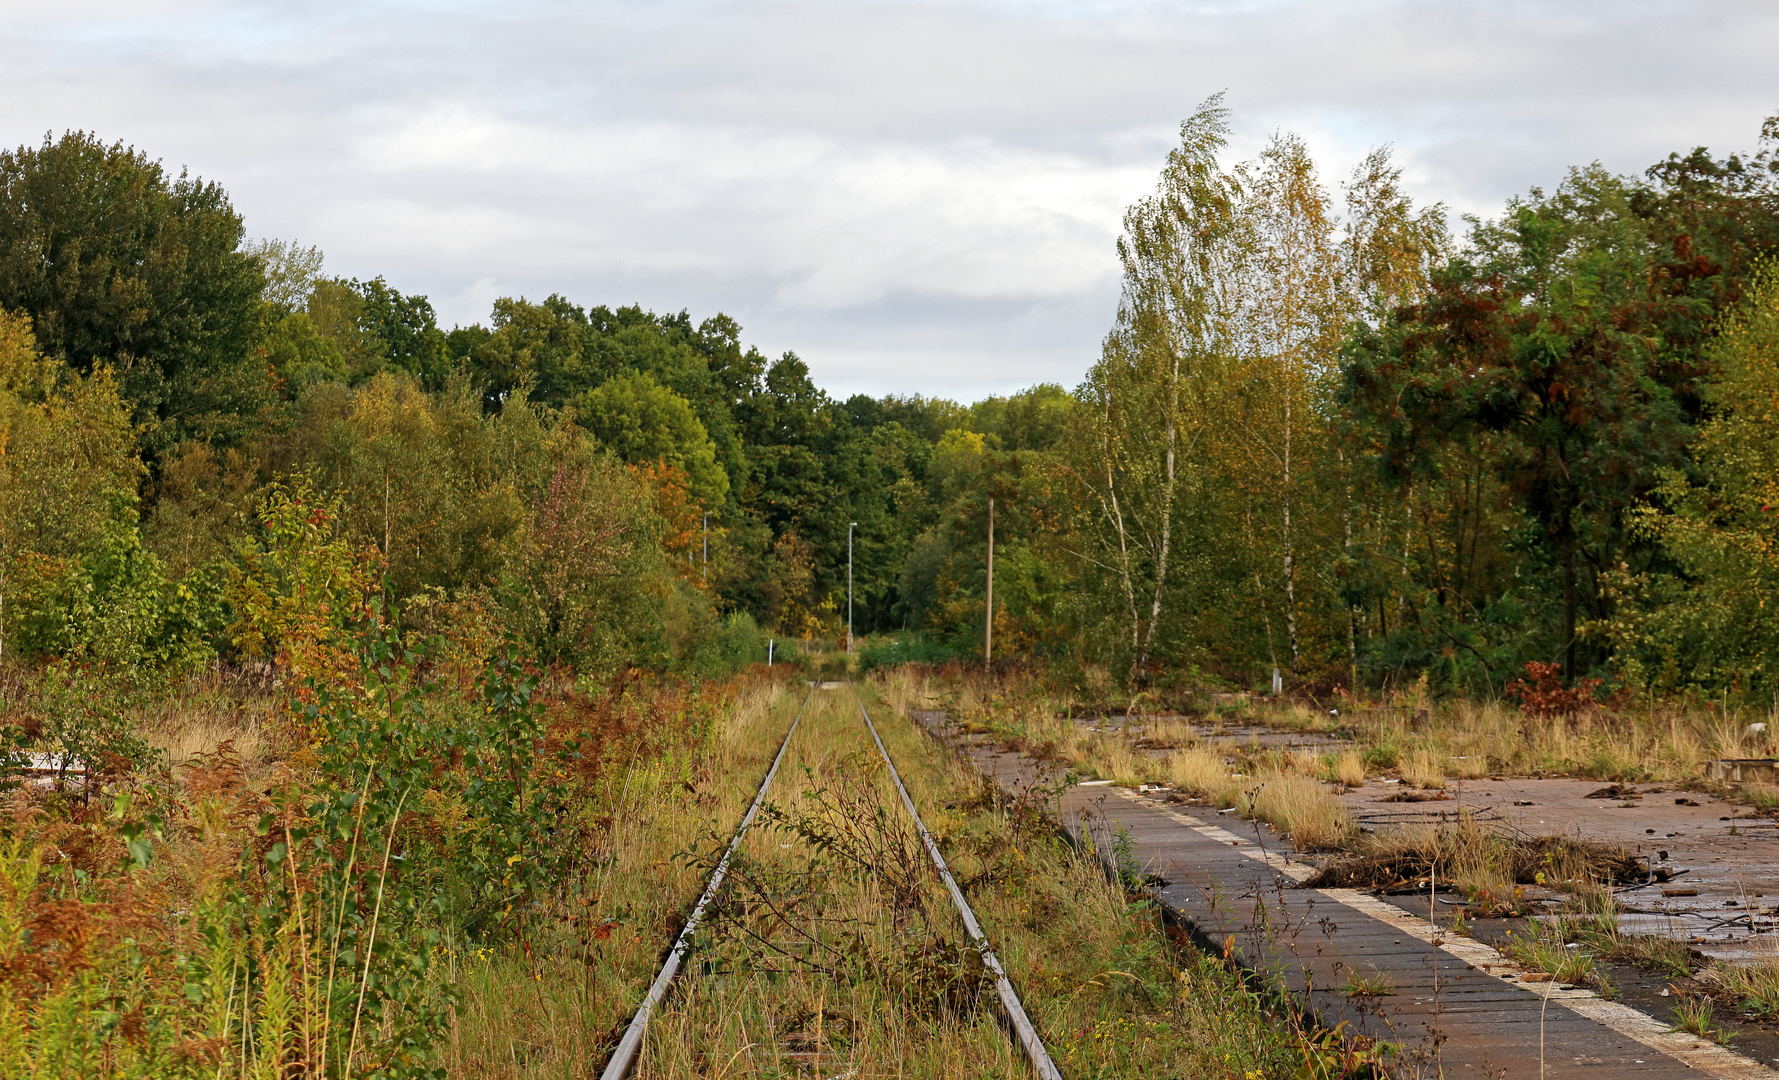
1376 984
1694 1015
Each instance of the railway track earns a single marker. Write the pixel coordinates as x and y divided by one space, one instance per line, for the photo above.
1023 1033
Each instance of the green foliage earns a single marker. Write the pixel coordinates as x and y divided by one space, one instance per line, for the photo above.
301 354
640 421
77 715
425 825
438 488
907 648
428 814
1034 419
391 744
119 265
1313 441
1547 387
116 605
405 330
300 586
1706 621
584 582
1567 383
77 580
703 643
349 330
556 350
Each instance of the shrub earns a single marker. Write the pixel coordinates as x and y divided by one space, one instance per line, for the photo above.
905 648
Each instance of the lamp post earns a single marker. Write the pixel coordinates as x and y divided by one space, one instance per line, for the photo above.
988 596
849 527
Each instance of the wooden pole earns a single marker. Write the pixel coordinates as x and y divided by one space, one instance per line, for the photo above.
988 624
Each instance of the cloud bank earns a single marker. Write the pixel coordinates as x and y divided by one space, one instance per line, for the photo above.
916 197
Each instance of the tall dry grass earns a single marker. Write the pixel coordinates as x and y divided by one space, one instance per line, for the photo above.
1281 789
1301 808
1422 768
580 976
1648 742
865 975
1203 773
1290 798
1346 768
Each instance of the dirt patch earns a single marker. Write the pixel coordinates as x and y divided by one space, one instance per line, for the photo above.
1619 791
1525 860
1370 872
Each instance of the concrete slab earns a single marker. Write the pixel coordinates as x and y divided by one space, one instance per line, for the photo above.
1458 1009
1725 854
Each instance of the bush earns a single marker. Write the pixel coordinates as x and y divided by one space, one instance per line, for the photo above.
78 716
906 648
208 927
739 642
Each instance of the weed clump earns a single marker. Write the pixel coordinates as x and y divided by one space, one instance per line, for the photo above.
1484 864
1754 986
1301 808
1346 768
1423 769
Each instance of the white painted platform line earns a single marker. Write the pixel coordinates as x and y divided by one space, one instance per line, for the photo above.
1689 1050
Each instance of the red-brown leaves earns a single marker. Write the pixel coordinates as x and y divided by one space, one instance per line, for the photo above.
1546 696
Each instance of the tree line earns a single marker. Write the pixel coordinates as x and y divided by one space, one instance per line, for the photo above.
1323 436
1352 448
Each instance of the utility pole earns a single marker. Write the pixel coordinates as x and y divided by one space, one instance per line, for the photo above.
988 603
849 528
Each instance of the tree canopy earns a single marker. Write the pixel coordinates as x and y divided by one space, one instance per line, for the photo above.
1322 436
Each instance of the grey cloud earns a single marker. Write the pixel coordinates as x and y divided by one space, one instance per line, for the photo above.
914 196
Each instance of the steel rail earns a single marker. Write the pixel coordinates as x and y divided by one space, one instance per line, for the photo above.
1022 1024
624 1057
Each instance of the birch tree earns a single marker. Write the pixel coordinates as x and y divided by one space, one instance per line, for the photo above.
1139 436
1289 312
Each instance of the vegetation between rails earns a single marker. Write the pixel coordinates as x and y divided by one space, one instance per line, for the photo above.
439 866
835 948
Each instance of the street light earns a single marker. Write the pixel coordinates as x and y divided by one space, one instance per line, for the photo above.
988 597
849 528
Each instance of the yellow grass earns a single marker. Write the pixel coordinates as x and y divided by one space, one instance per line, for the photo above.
1467 766
1171 733
1301 808
1422 769
860 1009
1202 773
1346 768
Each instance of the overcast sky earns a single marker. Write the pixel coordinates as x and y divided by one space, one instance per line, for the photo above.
915 197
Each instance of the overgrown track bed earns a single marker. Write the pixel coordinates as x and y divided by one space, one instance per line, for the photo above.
624 1057
834 948
982 966
1022 1025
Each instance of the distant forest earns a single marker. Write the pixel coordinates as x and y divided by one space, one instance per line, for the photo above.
1324 436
